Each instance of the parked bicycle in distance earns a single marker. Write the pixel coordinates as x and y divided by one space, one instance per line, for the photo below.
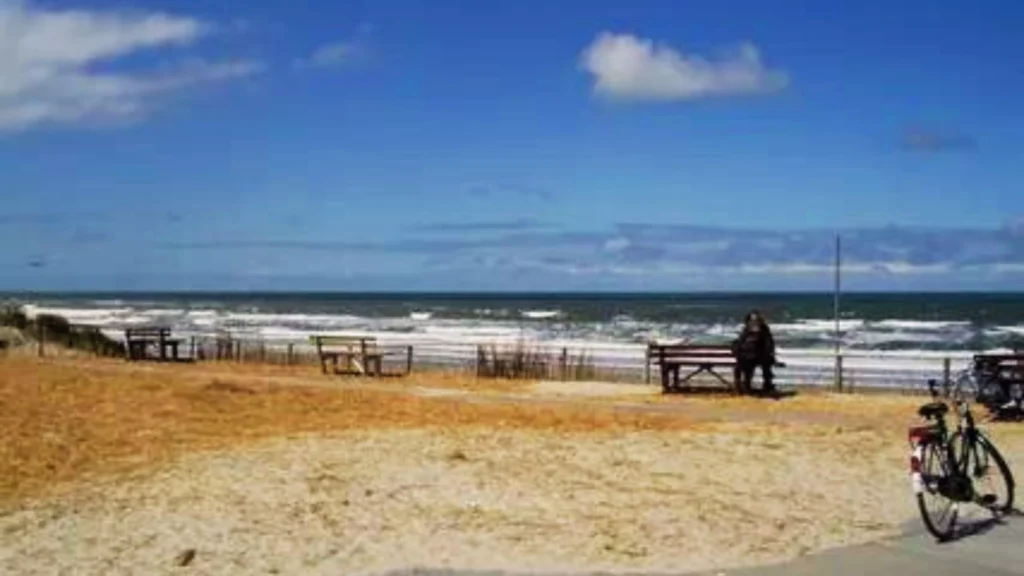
954 467
995 381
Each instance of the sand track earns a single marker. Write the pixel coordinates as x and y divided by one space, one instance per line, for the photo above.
371 501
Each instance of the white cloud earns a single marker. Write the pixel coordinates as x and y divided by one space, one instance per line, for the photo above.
617 244
329 55
627 67
50 63
339 52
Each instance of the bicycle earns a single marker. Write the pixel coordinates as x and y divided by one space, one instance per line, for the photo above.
947 466
983 382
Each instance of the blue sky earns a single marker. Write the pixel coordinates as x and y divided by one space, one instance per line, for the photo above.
661 145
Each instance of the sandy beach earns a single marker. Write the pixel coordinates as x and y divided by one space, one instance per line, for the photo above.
108 468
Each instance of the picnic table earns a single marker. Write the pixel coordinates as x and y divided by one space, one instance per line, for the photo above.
138 340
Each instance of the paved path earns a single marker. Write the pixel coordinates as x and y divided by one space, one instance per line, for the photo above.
998 550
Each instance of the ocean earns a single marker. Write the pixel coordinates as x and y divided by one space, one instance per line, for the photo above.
612 328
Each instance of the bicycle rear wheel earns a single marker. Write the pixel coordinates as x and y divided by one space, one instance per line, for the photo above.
938 510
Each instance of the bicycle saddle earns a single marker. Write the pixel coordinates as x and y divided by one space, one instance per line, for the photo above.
933 409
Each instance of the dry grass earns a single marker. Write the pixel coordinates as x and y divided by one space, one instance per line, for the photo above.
61 421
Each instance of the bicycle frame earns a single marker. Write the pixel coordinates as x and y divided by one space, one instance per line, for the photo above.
939 433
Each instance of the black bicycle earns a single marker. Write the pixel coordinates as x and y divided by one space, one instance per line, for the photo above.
950 468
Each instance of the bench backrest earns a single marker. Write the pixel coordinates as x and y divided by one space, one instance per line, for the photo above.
147 332
678 351
349 342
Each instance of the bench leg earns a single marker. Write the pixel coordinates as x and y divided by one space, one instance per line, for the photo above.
664 380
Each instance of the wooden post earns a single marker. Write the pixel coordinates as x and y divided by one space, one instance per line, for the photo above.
192 347
946 379
40 337
289 356
647 365
564 364
408 360
839 373
263 351
664 372
479 360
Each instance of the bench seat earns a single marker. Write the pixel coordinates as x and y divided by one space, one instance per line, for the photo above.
356 355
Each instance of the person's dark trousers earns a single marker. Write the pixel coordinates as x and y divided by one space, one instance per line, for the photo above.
767 377
744 374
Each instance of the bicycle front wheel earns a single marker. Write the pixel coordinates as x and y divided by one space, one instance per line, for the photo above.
934 500
993 481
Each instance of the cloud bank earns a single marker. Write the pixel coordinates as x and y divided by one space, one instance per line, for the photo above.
61 66
627 67
683 256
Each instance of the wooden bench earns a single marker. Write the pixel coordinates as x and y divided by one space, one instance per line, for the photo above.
699 358
357 355
137 340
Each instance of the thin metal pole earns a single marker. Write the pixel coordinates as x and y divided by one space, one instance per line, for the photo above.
835 311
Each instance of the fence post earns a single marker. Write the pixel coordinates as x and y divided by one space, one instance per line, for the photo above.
647 365
40 338
564 364
408 360
192 347
479 360
291 350
946 373
839 373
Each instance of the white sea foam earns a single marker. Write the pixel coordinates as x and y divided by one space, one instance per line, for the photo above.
541 314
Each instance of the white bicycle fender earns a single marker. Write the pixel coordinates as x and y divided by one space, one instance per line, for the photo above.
915 475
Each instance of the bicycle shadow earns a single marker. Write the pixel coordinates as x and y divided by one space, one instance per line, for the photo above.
980 527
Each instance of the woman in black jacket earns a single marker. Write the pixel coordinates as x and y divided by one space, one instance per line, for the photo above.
754 348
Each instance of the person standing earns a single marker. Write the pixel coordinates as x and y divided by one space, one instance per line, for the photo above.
753 348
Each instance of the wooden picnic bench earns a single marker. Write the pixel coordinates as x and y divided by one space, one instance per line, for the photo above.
699 358
357 355
138 339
